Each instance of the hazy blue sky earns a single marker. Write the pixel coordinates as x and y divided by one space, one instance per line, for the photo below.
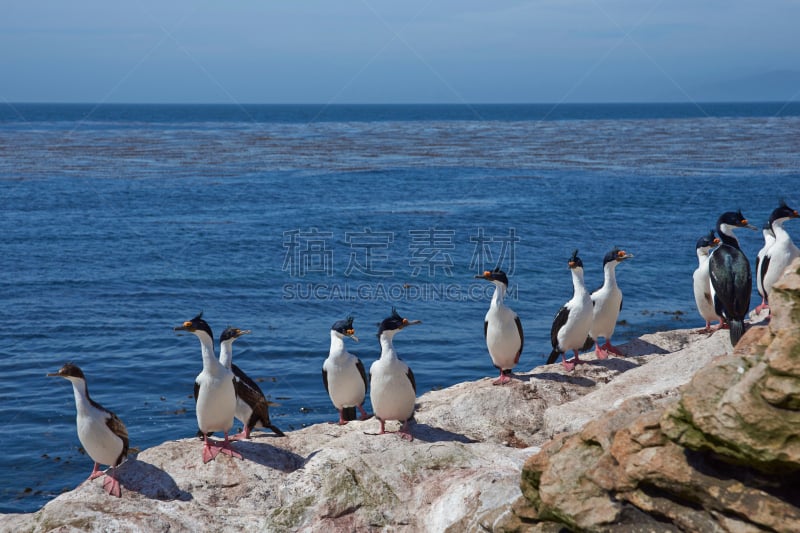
327 51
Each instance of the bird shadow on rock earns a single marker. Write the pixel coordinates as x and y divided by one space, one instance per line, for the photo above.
639 347
270 456
149 481
580 381
426 433
617 364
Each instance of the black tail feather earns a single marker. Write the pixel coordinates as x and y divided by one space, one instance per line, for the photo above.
349 413
265 422
736 331
553 356
275 430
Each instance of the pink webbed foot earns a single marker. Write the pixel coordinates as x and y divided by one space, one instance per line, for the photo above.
96 472
342 421
505 377
405 432
210 451
227 449
502 380
570 365
243 435
763 305
600 352
706 329
111 485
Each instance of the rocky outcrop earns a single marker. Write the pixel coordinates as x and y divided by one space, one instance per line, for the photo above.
612 446
722 456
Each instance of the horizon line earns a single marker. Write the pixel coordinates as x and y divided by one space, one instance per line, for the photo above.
455 104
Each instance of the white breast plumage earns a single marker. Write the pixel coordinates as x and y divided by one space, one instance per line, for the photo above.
392 393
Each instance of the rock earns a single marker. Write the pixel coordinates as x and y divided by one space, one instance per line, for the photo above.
321 477
462 471
721 456
612 446
746 407
651 374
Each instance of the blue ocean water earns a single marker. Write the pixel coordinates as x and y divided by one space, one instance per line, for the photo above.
120 222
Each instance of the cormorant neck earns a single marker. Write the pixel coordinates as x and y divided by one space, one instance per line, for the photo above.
779 231
499 293
81 392
726 235
387 347
609 275
225 353
207 350
337 343
577 280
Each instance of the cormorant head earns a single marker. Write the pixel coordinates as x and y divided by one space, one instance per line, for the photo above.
395 323
783 211
575 261
616 255
707 241
196 326
345 328
733 219
70 372
494 275
231 334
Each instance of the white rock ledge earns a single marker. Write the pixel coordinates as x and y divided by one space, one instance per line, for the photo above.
461 472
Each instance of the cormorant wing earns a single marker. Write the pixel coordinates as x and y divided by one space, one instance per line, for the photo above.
558 323
360 367
246 389
239 375
118 428
521 338
410 375
730 275
763 272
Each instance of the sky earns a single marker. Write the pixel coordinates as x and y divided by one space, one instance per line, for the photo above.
399 51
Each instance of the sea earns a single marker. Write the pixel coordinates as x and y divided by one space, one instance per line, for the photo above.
120 222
